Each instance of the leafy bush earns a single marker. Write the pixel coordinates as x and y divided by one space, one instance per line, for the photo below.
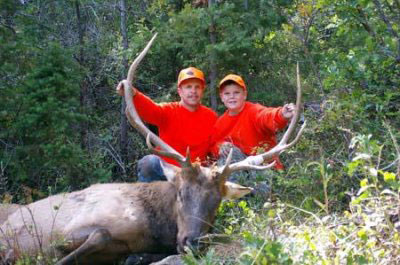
42 139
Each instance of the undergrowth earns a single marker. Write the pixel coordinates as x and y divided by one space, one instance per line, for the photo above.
280 232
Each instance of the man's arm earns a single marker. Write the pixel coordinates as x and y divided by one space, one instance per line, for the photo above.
147 109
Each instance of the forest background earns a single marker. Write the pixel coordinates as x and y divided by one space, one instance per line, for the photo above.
63 127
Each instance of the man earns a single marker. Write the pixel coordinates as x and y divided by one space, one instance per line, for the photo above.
246 127
182 124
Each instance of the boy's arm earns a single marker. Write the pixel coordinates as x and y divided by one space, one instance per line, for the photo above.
271 119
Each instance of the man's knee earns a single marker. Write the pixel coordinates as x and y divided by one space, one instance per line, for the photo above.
225 148
149 169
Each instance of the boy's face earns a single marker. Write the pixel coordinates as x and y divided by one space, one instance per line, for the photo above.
233 96
191 92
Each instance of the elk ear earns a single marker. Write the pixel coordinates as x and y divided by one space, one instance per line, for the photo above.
235 191
170 171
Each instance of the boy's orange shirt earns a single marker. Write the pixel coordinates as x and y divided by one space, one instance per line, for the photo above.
254 127
178 126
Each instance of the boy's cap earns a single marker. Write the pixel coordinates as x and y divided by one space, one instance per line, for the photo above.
235 78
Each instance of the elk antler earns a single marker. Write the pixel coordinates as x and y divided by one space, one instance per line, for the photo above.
134 118
177 157
254 162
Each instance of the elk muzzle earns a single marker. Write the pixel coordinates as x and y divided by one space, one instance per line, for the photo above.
191 241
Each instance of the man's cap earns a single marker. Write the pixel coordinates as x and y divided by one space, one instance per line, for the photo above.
189 73
235 78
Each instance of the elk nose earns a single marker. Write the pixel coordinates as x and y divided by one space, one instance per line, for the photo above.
191 242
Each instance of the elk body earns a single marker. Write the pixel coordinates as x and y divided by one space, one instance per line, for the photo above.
107 222
6 210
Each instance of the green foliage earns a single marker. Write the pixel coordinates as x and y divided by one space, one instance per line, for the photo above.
44 127
232 214
184 40
278 234
372 48
207 259
262 252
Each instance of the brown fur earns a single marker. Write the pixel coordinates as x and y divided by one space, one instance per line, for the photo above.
6 210
127 211
107 222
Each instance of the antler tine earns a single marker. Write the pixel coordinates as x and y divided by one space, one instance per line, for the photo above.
247 164
136 62
132 114
283 145
188 153
153 150
295 119
226 167
253 162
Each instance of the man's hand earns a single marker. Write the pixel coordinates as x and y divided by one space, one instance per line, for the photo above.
121 88
288 111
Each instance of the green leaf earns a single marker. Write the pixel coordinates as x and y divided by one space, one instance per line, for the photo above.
364 183
389 176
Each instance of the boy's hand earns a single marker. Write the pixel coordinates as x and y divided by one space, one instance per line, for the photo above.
288 111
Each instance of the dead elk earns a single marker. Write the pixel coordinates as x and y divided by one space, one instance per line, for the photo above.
7 209
107 222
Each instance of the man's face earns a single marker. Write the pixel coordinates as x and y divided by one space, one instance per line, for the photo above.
191 92
233 96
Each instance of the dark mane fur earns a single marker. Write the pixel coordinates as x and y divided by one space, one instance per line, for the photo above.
161 215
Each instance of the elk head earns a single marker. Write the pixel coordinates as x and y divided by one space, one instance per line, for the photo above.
201 189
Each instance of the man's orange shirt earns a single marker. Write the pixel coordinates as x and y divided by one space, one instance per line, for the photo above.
255 126
178 126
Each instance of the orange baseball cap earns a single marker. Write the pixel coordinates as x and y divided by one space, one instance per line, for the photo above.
191 72
235 78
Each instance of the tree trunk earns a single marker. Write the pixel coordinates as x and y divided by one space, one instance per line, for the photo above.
83 87
213 58
124 122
